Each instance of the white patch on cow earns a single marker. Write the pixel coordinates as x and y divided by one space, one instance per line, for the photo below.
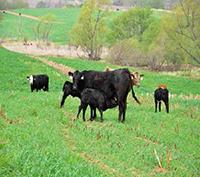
82 77
31 79
71 77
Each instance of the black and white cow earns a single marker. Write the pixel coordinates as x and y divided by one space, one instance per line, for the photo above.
38 82
95 99
115 84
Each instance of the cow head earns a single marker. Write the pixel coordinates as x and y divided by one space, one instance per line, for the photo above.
77 78
136 78
67 86
30 79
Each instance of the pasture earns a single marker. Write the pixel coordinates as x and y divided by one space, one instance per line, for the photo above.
40 139
65 18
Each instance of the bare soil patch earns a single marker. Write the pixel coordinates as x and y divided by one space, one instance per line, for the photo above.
41 49
59 67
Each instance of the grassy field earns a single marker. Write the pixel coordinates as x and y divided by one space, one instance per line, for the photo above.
40 139
10 25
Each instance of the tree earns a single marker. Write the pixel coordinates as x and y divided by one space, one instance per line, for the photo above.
44 27
184 30
89 31
132 23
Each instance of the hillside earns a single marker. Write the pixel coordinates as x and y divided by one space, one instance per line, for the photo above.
39 138
11 25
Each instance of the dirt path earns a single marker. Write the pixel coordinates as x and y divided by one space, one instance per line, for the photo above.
33 48
59 67
26 16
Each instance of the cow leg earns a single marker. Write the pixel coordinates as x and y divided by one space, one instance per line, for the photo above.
101 113
84 109
124 113
95 114
167 106
156 105
122 106
47 88
92 112
159 106
63 100
121 111
79 111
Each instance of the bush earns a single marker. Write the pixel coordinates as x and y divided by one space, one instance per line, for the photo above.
126 53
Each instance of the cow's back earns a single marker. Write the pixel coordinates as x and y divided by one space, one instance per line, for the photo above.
109 82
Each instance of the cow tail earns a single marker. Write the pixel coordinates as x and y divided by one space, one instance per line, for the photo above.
133 93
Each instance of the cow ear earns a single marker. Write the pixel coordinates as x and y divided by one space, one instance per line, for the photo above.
82 77
133 76
27 78
70 73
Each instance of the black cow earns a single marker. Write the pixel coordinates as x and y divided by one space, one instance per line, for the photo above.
38 82
96 99
161 94
67 90
115 84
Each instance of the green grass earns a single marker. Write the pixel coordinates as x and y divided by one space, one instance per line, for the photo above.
10 25
34 144
42 139
59 34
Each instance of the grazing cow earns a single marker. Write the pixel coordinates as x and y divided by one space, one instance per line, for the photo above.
115 84
161 94
96 99
38 82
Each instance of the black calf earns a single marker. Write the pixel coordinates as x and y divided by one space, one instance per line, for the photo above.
161 94
67 90
96 99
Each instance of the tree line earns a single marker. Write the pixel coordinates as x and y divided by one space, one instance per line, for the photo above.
138 37
13 4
